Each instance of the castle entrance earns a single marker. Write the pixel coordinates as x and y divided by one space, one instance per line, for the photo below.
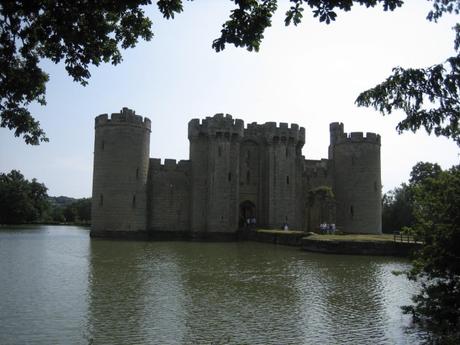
247 214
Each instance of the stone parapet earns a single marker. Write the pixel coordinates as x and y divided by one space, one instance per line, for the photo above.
218 125
124 117
169 165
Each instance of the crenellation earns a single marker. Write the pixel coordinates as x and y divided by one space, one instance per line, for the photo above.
154 163
218 125
124 117
357 137
169 165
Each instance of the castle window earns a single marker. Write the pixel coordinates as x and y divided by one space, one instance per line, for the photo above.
287 179
352 211
137 173
248 177
219 151
229 176
134 201
101 200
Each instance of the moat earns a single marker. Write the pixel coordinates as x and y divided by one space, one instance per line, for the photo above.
59 286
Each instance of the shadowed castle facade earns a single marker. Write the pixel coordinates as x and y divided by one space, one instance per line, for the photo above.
233 173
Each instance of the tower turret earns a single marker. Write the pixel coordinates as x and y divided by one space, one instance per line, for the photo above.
283 173
357 180
214 153
121 160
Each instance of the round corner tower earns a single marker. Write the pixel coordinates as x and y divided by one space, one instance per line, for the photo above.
357 180
121 160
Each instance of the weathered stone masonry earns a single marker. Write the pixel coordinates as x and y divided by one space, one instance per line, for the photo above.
234 172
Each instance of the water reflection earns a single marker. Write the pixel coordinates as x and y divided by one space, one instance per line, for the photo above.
134 294
236 293
58 286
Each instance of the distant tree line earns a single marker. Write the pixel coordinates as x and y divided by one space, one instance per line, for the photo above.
398 204
23 201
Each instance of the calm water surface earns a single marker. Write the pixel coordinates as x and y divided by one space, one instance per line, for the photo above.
60 287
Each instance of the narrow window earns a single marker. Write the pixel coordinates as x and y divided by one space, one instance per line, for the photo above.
248 155
103 145
221 217
287 179
134 201
101 200
219 151
352 211
248 177
229 176
287 151
137 173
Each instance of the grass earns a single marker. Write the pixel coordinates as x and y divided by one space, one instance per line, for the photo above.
281 232
353 237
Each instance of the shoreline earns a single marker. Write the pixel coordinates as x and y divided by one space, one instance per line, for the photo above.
346 244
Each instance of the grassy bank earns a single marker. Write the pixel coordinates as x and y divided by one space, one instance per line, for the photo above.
353 237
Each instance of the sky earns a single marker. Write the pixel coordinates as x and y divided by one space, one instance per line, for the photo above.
310 75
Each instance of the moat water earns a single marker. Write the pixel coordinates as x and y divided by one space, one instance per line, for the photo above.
57 286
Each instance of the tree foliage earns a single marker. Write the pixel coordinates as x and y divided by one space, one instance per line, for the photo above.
397 207
76 32
430 97
21 201
81 33
324 199
398 204
436 308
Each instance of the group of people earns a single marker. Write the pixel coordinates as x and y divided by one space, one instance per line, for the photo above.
327 228
251 222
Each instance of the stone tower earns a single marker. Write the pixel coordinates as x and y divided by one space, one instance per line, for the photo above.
357 181
121 161
283 164
214 156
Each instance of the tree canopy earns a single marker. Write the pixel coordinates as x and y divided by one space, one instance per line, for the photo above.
21 201
81 33
436 266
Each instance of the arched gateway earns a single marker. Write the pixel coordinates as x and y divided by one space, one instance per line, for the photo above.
247 211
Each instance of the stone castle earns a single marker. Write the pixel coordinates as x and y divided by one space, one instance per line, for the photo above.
233 173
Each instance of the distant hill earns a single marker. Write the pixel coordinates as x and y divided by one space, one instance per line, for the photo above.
61 201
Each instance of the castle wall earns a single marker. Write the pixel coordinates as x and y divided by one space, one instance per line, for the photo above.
251 177
199 181
233 173
214 155
283 156
169 196
317 173
121 152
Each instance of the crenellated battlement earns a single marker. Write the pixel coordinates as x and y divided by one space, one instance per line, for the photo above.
124 117
275 133
283 132
169 165
338 136
218 125
359 137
